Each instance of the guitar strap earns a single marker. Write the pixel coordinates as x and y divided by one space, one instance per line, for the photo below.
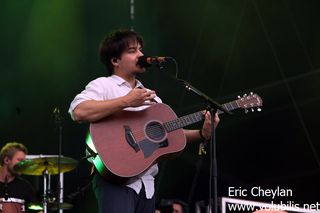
90 154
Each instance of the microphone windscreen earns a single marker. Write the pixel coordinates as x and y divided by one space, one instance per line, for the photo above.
143 61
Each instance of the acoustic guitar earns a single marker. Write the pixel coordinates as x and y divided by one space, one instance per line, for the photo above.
129 142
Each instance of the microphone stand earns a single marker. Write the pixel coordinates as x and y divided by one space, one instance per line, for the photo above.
212 107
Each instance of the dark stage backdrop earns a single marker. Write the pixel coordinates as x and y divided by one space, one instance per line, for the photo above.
225 48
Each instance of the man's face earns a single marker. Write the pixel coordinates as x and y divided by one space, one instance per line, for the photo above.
129 58
17 157
177 208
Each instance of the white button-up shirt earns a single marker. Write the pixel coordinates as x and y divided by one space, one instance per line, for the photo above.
106 88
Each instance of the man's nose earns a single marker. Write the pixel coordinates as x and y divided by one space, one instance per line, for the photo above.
140 53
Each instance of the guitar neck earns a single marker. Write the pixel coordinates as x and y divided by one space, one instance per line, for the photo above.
232 105
194 117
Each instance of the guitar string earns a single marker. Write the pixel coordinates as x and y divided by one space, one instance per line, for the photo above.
152 132
176 124
171 125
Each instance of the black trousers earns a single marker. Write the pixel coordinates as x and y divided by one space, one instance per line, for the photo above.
114 198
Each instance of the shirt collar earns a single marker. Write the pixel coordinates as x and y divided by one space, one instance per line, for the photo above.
121 81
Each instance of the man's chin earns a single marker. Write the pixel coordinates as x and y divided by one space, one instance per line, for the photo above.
15 173
140 71
143 69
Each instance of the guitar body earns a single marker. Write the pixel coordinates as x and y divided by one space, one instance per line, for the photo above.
130 142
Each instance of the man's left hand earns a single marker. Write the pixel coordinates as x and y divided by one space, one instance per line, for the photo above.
206 128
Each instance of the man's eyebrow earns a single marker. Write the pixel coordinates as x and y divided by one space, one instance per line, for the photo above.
133 48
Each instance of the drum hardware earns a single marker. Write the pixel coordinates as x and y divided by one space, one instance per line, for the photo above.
37 166
46 166
11 205
52 206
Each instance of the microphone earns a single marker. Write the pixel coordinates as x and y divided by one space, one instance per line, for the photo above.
56 112
147 61
57 115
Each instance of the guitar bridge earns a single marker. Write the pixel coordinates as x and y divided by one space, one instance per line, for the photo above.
130 138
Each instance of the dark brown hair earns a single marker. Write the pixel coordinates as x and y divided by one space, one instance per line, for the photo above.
112 46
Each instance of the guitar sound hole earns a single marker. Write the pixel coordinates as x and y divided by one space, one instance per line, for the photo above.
155 131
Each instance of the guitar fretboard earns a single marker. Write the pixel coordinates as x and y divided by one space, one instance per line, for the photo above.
194 118
232 105
183 121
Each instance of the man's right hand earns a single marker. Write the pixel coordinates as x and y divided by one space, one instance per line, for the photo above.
138 97
92 110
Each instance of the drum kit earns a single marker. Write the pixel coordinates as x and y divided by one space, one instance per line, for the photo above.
41 166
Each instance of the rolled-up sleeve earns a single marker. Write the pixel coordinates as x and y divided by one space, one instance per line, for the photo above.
91 92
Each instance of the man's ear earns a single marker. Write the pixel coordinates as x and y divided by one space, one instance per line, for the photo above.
6 160
114 61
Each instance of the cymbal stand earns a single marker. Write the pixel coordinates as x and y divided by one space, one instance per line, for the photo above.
58 120
46 190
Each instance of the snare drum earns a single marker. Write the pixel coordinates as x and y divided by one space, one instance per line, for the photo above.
12 205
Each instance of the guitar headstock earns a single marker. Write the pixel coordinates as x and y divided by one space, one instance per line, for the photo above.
250 101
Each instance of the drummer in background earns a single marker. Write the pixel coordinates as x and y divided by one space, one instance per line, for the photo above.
11 184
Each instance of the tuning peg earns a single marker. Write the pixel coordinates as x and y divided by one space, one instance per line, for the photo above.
252 110
259 109
245 95
246 111
238 96
251 93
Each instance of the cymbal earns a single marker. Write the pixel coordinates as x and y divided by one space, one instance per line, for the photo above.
56 206
51 206
37 166
35 206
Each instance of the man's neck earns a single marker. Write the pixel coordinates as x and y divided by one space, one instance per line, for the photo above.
131 79
5 175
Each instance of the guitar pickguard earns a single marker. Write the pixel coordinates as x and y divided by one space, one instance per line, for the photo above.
148 147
